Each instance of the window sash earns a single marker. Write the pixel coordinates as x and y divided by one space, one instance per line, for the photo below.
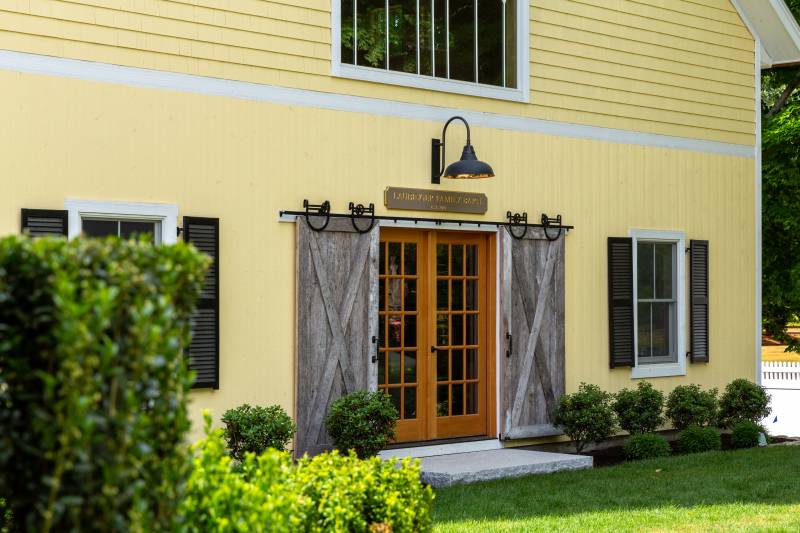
506 81
672 333
132 218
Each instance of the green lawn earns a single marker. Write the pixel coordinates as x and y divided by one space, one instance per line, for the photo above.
747 490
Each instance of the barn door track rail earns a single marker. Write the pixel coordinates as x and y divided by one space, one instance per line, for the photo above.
363 219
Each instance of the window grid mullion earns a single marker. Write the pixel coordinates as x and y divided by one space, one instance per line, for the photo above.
386 4
475 62
355 32
447 35
433 38
419 67
503 47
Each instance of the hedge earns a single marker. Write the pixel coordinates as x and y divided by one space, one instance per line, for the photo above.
94 385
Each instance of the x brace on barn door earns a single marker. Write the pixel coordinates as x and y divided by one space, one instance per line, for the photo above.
361 213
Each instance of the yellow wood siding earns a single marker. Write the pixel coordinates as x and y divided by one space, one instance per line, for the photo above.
243 161
673 67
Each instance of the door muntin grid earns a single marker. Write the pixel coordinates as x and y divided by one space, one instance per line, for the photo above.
457 329
399 325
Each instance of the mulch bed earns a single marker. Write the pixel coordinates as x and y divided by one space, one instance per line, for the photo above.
613 455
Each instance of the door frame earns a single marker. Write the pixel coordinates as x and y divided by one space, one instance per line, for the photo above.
492 259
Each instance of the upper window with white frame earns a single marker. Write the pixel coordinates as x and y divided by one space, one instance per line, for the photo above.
659 296
465 46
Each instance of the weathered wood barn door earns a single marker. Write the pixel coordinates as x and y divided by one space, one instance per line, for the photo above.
532 326
337 318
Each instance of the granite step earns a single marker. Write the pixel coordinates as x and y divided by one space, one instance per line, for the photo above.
470 467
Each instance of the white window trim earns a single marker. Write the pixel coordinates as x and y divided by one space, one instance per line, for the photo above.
662 369
419 81
166 214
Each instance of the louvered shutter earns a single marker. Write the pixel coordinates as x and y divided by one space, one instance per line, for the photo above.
698 300
203 233
44 222
620 301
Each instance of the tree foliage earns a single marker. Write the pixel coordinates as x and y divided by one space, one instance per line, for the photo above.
781 198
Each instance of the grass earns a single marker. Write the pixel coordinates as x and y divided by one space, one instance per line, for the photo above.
746 490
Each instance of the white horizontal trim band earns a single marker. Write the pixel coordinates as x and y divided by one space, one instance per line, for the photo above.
141 77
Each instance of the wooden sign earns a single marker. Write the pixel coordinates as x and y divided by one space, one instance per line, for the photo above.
435 200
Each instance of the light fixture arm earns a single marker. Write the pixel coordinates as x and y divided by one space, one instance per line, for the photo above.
438 150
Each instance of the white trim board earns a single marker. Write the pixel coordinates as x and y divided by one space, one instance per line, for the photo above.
166 214
678 368
155 79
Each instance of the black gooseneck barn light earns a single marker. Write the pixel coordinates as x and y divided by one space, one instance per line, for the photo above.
468 167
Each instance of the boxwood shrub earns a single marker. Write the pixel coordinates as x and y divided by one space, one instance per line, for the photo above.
362 421
743 400
646 446
328 492
688 405
695 439
639 410
254 429
586 415
745 434
94 384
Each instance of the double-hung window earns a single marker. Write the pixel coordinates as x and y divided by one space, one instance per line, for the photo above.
659 301
476 47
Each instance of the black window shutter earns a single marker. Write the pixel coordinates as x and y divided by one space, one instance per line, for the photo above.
620 301
203 233
44 222
698 300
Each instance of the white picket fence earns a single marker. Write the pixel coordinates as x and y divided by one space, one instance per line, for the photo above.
782 380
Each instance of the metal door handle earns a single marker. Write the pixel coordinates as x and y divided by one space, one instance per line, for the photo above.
510 349
375 355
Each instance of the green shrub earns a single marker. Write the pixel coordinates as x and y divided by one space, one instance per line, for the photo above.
695 439
94 384
220 496
585 416
254 429
639 410
743 400
362 421
688 405
328 492
745 434
646 446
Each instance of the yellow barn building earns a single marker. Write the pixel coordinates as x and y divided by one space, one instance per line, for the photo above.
614 234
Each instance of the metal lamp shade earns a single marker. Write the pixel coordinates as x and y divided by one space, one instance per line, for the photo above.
468 167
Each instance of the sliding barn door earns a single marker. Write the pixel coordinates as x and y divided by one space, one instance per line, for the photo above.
337 318
532 328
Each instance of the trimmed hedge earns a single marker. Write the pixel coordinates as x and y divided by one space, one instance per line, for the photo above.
696 439
688 405
743 400
646 446
639 410
328 492
586 415
745 434
254 429
94 384
362 421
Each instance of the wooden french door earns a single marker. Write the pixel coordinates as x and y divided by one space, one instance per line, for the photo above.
434 347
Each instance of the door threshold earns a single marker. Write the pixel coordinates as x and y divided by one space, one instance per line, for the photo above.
440 447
